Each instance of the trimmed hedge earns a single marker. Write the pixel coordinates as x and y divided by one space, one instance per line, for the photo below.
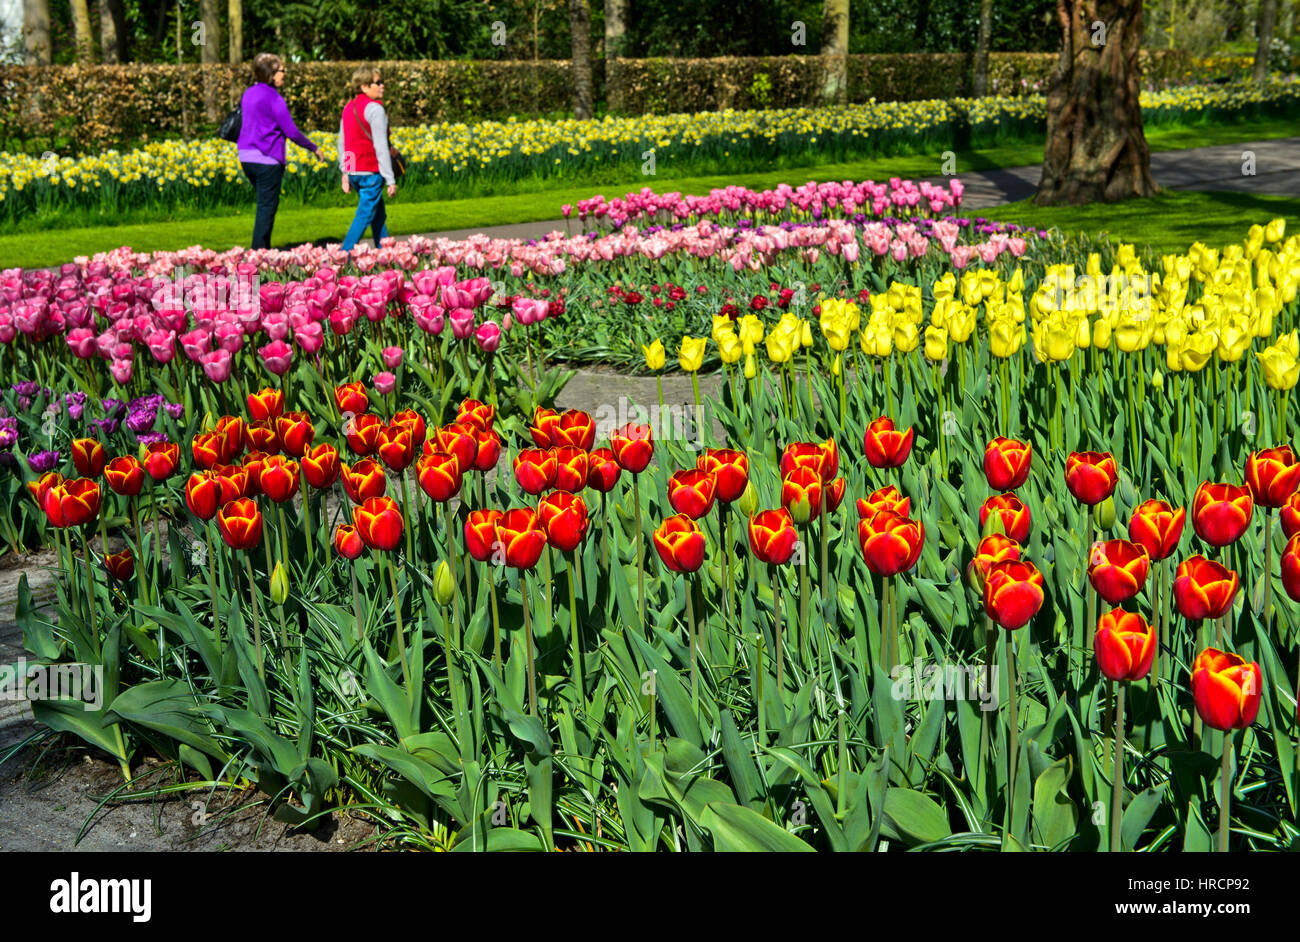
76 109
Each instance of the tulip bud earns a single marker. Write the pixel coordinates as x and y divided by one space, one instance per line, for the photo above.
279 585
444 586
748 500
973 577
800 509
715 573
1157 381
994 525
1104 514
751 366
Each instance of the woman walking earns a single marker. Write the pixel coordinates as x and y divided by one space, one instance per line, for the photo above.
364 155
264 126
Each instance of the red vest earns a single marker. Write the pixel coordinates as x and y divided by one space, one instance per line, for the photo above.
356 137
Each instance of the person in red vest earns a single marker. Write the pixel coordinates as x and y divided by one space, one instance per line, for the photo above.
364 155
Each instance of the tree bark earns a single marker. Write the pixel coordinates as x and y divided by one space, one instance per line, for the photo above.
835 50
1095 150
82 39
1264 38
580 30
36 32
615 37
981 83
236 27
112 31
210 54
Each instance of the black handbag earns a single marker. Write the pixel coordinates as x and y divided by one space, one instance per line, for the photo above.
229 130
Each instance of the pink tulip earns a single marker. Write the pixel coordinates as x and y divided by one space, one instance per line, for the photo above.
276 356
121 370
217 365
462 322
488 336
392 357
162 344
81 340
310 337
196 343
385 383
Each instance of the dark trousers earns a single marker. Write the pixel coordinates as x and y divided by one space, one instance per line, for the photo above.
266 180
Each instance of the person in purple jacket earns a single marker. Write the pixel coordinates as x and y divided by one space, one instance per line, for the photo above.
264 125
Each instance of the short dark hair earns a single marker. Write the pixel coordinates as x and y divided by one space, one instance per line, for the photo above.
265 65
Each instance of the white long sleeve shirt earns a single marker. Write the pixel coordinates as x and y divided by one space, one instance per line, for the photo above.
377 118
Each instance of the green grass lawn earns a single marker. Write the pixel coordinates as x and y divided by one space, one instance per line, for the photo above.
1169 223
308 224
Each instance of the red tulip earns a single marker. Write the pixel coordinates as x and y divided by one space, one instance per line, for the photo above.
632 447
362 433
1204 588
1118 569
730 470
1013 513
240 523
575 428
564 518
887 498
886 446
1006 463
203 494
1221 512
351 397
1272 475
295 431
125 475
268 404
1226 689
396 447
160 459
1157 527
278 478
347 541
1125 645
320 465
88 457
602 470
379 521
801 494
521 537
72 503
890 544
535 470
364 480
570 468
992 549
476 414
772 536
1291 568
481 533
1091 476
692 492
1013 593
544 421
439 475
680 543
121 566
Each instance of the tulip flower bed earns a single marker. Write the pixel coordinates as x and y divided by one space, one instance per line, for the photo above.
457 160
933 587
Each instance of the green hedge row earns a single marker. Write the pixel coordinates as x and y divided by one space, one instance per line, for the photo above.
88 108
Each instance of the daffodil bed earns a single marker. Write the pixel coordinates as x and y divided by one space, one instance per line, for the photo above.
459 160
933 587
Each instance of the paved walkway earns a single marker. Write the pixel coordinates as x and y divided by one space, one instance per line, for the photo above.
1276 173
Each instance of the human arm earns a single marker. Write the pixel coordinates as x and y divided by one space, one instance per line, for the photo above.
280 111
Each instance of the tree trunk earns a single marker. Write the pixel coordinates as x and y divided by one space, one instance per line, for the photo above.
615 37
82 39
236 26
1095 150
112 31
1264 38
580 29
36 32
210 54
981 84
835 50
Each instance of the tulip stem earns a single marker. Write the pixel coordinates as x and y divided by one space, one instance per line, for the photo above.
91 625
139 549
1225 792
659 379
451 554
212 588
1117 784
1013 731
640 555
690 618
356 601
528 644
802 637
401 637
496 620
306 518
578 686
990 651
777 648
257 624
1268 570
762 710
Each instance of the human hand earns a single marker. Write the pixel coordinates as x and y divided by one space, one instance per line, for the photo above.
347 187
320 157
392 190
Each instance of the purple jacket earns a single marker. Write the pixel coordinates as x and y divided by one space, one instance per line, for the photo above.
265 123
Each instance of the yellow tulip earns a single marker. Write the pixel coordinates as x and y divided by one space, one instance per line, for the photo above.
805 335
1005 337
721 322
691 357
836 332
936 343
728 345
1234 339
751 332
1280 362
1197 350
780 346
906 337
1132 335
751 366
1275 230
654 355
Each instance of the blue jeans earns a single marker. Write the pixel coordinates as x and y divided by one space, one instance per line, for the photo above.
370 210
